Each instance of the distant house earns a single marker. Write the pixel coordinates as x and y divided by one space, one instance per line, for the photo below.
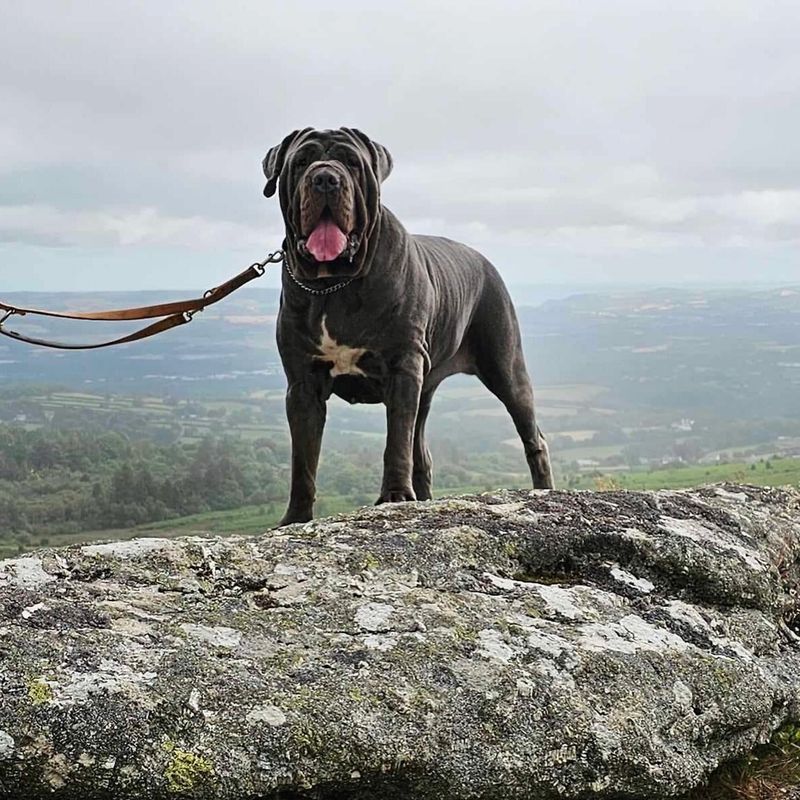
685 425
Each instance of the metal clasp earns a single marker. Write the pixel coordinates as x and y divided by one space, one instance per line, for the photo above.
9 313
273 258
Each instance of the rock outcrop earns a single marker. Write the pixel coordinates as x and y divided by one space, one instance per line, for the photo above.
509 645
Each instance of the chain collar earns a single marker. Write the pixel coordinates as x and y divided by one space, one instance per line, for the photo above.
329 290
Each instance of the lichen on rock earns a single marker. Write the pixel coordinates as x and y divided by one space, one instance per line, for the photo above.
530 645
186 773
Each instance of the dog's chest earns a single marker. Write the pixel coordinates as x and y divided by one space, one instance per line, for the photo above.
342 358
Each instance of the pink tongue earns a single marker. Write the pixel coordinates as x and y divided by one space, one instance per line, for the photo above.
327 242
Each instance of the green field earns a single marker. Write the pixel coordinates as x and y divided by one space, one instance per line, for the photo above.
250 520
775 472
57 497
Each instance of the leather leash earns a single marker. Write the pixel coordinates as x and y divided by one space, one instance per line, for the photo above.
173 314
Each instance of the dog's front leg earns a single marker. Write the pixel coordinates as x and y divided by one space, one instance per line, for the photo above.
402 395
305 410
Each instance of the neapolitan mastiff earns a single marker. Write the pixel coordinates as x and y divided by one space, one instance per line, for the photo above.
374 314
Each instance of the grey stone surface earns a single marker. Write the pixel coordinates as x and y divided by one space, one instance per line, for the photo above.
509 645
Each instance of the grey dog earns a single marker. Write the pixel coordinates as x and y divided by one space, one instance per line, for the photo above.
374 314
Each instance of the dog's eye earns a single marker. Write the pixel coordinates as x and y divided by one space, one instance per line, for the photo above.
353 162
301 162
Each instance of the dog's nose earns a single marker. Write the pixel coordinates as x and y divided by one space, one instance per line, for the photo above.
325 180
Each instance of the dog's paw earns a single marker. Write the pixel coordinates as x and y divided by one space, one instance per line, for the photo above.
396 496
291 517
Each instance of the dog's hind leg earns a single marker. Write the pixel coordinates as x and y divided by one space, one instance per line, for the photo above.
401 397
422 475
423 464
513 388
500 365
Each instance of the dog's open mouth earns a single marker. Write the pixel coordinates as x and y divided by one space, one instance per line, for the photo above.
329 248
327 241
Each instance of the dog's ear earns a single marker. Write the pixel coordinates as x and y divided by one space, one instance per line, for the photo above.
382 162
381 158
274 159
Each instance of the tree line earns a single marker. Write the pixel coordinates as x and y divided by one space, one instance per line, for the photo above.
69 481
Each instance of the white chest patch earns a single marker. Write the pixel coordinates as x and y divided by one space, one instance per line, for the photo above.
344 359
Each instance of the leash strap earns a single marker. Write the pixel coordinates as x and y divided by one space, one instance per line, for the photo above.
150 330
174 314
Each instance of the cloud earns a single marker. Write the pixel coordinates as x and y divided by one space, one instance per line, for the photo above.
556 124
145 227
627 206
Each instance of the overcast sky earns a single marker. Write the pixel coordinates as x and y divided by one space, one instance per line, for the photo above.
572 142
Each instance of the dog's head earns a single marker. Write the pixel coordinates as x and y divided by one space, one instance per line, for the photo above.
330 198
